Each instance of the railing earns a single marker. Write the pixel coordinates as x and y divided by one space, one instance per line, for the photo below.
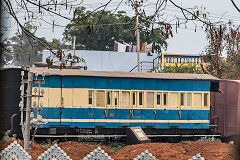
145 67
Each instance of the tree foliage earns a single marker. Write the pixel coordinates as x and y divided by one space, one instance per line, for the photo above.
38 12
223 39
99 30
22 51
180 68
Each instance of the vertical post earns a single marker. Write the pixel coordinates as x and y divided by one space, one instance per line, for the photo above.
137 36
153 64
22 97
38 105
74 44
28 111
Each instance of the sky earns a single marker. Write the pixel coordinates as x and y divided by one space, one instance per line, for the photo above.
185 41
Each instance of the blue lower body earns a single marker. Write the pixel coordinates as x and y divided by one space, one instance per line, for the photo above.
118 118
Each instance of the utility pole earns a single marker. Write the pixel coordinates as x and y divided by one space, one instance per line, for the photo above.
28 112
21 104
137 35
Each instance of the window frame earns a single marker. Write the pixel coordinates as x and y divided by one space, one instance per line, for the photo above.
92 97
138 99
182 99
165 93
107 98
195 100
152 99
160 104
129 99
104 98
114 98
135 99
207 94
191 99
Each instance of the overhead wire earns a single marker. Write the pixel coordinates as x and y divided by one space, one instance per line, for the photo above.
173 10
212 16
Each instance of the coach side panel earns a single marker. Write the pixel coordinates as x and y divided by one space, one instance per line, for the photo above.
89 102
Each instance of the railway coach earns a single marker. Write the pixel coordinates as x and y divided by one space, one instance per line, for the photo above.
108 102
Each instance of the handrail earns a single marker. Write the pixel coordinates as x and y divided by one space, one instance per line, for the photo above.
141 64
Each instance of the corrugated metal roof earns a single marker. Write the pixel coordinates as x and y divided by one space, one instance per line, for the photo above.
75 72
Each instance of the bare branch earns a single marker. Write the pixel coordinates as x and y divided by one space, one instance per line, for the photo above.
187 11
235 5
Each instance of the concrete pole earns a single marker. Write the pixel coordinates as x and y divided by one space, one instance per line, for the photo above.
28 112
22 97
137 36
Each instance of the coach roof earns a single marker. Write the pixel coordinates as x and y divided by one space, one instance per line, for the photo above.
76 72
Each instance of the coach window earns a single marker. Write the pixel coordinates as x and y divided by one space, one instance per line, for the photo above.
182 99
205 99
133 98
109 95
164 99
150 99
116 95
158 99
189 99
140 96
100 98
90 97
197 102
125 102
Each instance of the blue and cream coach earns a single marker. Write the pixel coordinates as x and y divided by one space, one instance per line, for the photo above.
78 99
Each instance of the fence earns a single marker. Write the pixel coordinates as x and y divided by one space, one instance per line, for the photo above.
15 152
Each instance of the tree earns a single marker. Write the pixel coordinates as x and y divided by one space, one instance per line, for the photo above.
180 68
57 43
23 50
220 39
35 11
105 28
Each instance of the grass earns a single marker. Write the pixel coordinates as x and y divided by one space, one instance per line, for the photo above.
115 146
185 141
